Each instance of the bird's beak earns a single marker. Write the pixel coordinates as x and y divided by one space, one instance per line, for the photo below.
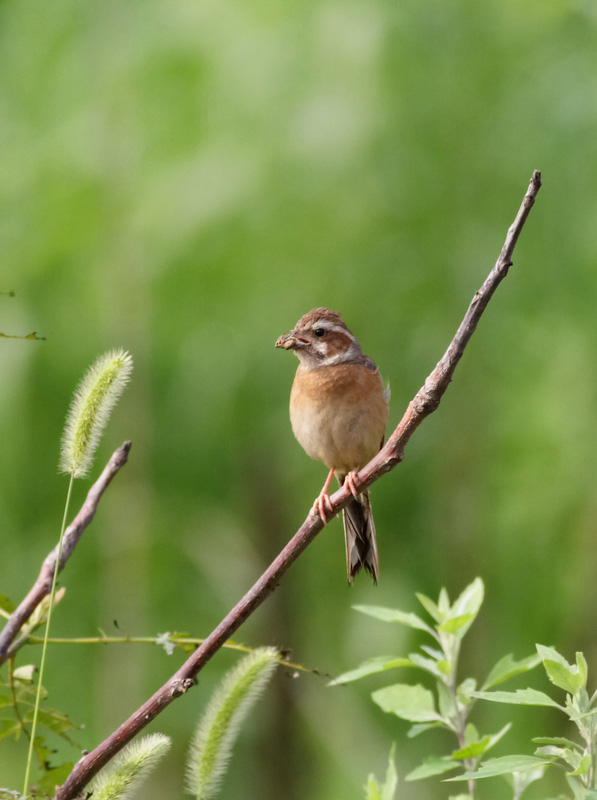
290 341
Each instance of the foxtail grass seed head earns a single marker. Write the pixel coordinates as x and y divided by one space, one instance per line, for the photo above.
130 768
90 410
229 705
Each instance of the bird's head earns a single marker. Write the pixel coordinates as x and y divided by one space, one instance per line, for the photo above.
321 338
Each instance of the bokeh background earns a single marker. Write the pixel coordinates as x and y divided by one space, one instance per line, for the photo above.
185 179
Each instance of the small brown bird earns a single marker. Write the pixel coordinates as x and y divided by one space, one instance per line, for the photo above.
338 412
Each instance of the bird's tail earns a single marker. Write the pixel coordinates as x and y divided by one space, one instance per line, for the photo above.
359 532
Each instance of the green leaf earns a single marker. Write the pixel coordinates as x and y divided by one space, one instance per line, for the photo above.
507 668
438 655
8 727
520 780
473 750
476 746
424 726
570 756
426 664
394 615
455 624
53 720
54 777
466 689
581 665
503 766
470 600
372 788
583 767
445 700
575 716
559 671
565 679
371 667
430 767
495 737
430 607
6 604
471 734
388 790
443 603
556 741
413 703
579 789
523 697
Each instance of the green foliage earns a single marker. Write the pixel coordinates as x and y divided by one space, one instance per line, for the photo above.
577 759
451 705
17 700
387 790
17 708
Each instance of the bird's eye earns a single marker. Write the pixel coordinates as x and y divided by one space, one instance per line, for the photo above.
319 331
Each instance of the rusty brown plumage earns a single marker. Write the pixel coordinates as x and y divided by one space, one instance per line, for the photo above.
338 412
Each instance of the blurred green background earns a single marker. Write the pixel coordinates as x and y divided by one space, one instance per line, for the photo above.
185 180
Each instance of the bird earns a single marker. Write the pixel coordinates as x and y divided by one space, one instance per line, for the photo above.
338 412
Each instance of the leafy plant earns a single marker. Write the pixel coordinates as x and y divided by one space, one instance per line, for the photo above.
387 791
450 706
577 759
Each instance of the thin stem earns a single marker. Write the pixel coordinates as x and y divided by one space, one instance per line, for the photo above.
46 636
452 652
178 641
13 696
590 740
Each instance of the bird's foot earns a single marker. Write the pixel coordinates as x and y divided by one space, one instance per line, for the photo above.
352 481
323 504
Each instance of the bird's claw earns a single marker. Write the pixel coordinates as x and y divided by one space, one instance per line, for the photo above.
323 505
351 481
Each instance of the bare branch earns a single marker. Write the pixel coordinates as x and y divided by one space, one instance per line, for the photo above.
424 403
43 584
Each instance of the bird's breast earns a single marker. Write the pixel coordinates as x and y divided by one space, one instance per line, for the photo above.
339 414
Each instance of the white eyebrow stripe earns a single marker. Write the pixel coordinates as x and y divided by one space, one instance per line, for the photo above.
345 331
333 327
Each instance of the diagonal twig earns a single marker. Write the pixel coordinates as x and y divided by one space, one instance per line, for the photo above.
425 402
42 586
